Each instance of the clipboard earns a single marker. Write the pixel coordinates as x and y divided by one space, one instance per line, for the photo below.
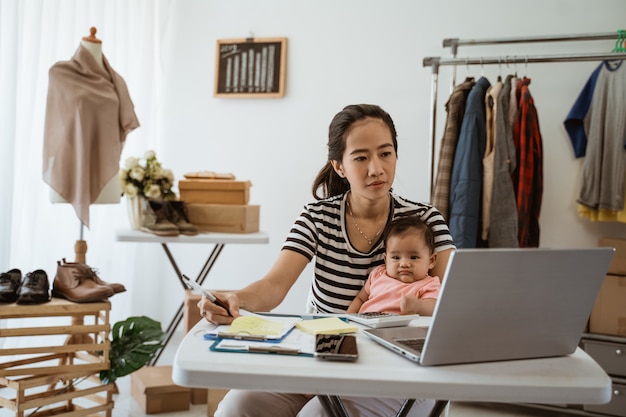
295 343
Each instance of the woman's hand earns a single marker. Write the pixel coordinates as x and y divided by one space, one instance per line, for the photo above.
216 314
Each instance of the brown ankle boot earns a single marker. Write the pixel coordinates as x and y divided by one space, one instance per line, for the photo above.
156 220
177 214
92 274
73 283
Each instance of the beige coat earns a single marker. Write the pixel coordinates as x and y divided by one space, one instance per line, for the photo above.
88 116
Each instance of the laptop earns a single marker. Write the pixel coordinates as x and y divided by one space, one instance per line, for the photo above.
505 304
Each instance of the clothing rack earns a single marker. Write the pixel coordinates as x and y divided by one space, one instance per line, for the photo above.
454 43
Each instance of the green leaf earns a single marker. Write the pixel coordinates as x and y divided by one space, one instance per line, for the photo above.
134 342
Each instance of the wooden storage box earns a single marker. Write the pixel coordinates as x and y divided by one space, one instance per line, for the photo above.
191 312
608 315
214 191
51 358
224 218
153 388
215 396
618 264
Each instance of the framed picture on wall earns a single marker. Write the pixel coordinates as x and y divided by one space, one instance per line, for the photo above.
250 67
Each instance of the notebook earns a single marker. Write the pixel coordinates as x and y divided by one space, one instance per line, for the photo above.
505 304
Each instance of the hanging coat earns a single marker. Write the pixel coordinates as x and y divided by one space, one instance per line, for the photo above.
88 116
528 178
596 126
466 178
504 222
455 108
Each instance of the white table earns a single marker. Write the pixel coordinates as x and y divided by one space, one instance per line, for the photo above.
218 240
381 373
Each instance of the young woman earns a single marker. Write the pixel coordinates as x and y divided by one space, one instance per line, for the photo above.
342 231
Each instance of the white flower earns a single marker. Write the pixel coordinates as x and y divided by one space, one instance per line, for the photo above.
130 190
132 162
169 175
137 173
145 177
153 191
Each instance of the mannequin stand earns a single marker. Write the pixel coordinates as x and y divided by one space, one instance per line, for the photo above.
80 248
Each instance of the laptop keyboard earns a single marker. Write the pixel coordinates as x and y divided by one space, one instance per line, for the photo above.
415 344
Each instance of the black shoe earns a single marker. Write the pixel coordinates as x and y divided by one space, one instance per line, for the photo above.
9 283
35 288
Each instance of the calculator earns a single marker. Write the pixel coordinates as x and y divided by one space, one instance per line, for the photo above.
378 320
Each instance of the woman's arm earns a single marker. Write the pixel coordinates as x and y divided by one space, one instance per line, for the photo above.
262 295
358 301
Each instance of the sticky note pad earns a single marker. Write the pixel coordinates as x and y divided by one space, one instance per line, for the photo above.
256 326
326 325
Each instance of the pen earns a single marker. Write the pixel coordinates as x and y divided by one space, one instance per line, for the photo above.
238 336
273 349
195 286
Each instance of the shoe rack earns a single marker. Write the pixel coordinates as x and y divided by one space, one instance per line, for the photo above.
54 369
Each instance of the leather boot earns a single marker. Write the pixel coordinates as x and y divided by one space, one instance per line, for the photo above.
9 284
177 214
156 220
35 288
92 274
74 283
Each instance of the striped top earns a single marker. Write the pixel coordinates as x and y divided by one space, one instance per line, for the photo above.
341 270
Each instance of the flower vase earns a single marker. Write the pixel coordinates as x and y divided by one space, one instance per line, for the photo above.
136 209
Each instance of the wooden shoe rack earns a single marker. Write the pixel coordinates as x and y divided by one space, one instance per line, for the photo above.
52 370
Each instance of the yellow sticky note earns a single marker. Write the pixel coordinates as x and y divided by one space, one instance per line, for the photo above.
256 326
326 325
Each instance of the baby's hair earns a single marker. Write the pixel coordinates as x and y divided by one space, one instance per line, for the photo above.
404 225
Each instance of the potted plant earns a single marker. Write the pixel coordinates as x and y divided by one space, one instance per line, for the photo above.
134 342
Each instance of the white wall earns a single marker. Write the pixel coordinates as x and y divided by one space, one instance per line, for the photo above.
342 52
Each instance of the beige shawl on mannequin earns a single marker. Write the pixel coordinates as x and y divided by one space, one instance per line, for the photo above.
89 113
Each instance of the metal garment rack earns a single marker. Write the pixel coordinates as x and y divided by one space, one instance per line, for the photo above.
454 43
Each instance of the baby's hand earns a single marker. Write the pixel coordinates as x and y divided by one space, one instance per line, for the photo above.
409 304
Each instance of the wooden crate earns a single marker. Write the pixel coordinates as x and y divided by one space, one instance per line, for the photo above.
51 356
70 394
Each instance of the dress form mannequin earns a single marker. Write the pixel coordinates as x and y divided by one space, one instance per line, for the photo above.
111 193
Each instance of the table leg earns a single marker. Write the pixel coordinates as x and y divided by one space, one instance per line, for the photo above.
178 316
438 408
333 406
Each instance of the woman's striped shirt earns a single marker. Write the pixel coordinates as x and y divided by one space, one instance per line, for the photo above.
340 270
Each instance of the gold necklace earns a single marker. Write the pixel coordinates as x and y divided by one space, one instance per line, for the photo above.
370 241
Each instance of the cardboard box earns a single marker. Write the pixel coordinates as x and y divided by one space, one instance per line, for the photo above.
153 389
609 312
199 395
224 218
214 191
191 312
215 396
618 264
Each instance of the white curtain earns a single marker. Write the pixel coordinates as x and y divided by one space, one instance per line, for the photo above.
34 34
